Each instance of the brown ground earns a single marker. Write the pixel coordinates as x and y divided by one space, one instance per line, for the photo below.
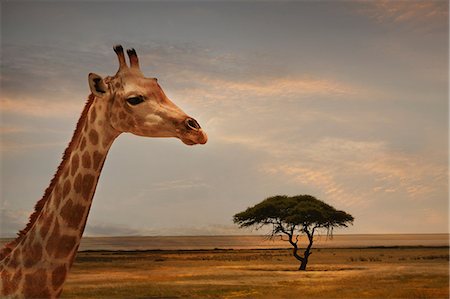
332 273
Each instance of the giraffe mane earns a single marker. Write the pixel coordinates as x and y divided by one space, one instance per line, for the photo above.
7 248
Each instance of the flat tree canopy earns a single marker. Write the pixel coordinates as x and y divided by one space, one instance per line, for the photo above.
293 216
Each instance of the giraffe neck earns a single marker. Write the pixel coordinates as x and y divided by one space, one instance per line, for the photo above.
38 263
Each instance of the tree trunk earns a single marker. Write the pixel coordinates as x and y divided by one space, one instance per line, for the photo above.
305 260
295 250
307 253
303 265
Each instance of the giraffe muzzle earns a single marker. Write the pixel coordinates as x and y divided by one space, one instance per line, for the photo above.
194 133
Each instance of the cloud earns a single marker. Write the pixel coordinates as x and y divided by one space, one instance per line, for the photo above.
107 229
217 77
276 87
14 147
220 87
12 220
429 14
4 130
40 108
188 183
205 230
201 73
195 74
350 172
435 217
16 139
331 166
322 179
411 174
260 93
50 71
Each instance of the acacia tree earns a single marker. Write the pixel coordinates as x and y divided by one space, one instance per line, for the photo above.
294 216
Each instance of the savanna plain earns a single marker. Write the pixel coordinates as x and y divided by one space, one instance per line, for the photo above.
379 272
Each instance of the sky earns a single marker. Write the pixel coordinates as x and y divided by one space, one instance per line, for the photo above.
343 100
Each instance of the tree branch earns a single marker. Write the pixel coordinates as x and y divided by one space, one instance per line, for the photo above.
295 251
281 237
311 240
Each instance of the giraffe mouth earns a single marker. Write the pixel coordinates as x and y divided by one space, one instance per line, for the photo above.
188 142
199 137
193 133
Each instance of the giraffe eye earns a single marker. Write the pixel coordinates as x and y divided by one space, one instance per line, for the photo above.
135 100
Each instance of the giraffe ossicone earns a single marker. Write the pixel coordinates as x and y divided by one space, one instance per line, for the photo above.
36 263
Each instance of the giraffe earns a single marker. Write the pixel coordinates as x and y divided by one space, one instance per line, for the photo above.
36 263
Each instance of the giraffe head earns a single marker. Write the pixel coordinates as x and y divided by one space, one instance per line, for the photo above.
138 105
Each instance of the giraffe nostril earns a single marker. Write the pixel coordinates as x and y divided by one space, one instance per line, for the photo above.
192 124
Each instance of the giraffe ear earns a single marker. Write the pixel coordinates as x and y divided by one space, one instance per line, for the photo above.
97 85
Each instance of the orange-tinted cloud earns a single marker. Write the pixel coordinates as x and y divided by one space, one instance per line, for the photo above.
207 90
11 129
351 172
40 108
423 12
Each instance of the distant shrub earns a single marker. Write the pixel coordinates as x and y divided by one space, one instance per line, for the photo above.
432 257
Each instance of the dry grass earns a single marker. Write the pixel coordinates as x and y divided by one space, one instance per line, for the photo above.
332 273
